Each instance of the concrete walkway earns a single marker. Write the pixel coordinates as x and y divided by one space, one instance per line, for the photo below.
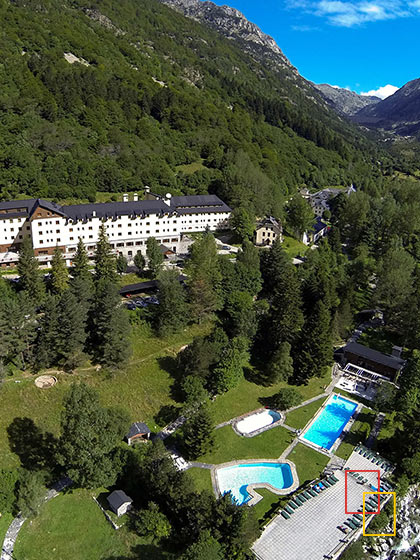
16 525
208 466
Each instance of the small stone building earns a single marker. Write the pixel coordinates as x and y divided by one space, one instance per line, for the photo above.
119 502
139 431
268 230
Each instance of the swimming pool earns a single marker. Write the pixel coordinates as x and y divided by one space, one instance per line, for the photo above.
329 424
257 421
236 478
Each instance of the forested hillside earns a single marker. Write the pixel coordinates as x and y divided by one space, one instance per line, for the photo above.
156 99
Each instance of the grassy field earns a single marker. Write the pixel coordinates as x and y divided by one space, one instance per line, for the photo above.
359 432
131 278
229 446
293 247
190 168
300 417
5 521
245 397
201 478
309 463
143 387
72 526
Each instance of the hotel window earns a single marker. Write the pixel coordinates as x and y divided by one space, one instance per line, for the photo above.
119 225
41 242
148 231
90 236
57 221
119 234
71 238
71 229
57 231
90 227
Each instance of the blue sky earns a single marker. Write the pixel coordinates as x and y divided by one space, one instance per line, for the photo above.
362 45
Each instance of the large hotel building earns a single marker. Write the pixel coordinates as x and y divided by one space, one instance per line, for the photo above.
128 224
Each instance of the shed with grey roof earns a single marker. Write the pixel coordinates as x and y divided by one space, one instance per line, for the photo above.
119 502
139 431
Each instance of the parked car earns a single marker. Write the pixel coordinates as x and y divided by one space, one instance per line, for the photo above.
131 306
225 248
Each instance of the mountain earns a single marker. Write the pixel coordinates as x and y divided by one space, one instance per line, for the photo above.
112 96
232 24
344 101
398 113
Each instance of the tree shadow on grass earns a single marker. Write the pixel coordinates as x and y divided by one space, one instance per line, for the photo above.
170 365
167 414
150 551
35 448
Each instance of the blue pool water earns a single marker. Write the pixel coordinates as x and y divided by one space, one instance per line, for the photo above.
328 426
235 479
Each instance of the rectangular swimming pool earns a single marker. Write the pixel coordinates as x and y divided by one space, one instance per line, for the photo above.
331 421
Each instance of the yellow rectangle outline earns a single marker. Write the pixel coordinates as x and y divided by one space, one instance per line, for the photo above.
395 516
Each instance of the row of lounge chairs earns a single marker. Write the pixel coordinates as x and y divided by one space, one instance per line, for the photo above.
307 494
374 458
360 479
356 521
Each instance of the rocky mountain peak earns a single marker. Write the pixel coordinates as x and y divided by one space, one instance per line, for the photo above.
233 24
344 101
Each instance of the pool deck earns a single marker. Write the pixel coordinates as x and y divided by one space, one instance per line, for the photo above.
312 531
251 488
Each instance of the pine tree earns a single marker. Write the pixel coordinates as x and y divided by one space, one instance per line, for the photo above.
247 269
59 274
105 262
73 333
198 433
172 312
121 264
139 262
280 367
230 370
30 278
48 341
204 277
154 256
81 262
89 436
314 351
109 326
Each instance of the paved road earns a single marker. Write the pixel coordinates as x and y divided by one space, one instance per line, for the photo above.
16 525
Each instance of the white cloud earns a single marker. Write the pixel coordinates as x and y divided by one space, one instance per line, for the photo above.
350 13
382 92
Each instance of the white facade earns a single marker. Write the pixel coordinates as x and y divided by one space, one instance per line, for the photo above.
128 227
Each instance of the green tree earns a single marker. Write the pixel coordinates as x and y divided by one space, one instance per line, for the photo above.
109 326
151 522
73 329
280 367
31 492
89 436
48 340
139 261
242 223
198 433
204 277
105 262
313 351
206 548
240 315
154 256
230 369
8 481
300 216
121 264
59 275
194 392
17 329
80 267
30 278
286 398
172 311
247 269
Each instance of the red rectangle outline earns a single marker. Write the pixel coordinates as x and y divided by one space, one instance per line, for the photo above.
345 491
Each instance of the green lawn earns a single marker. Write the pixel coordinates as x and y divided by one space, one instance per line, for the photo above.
229 446
201 478
72 527
142 387
5 520
359 432
245 397
309 463
265 508
293 247
190 168
300 417
131 278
